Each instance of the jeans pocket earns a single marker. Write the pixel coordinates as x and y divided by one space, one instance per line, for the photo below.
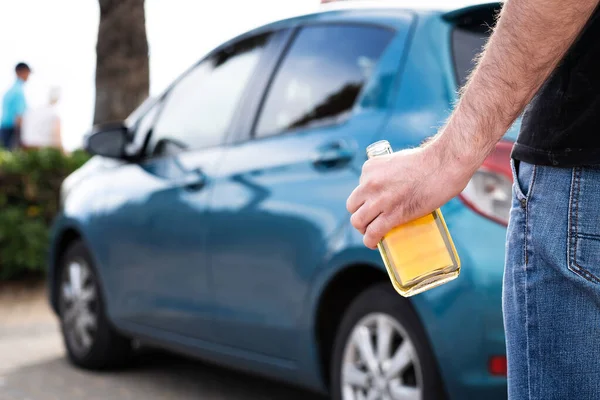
586 261
584 224
523 176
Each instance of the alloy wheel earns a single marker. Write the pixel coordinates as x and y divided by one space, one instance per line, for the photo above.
380 362
78 306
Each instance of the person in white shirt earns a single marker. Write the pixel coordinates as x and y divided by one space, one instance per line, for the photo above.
41 125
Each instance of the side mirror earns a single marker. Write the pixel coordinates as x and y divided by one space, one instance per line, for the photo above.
107 140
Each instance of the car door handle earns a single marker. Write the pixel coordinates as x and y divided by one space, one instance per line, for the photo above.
194 180
333 154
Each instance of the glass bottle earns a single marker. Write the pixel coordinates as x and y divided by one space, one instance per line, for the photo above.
420 254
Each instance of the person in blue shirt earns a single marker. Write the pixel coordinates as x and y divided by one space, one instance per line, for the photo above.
13 107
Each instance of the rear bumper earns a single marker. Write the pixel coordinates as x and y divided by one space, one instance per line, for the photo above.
464 317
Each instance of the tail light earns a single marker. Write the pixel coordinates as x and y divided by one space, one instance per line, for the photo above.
497 366
489 192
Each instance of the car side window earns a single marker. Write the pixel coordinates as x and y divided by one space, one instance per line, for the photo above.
321 76
143 125
198 110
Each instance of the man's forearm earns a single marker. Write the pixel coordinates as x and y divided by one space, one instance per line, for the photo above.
530 39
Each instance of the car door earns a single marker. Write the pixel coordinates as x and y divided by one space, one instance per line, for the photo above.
278 203
157 238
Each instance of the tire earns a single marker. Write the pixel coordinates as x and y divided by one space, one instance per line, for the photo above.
377 310
90 339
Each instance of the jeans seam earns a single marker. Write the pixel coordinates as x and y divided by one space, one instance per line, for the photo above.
532 182
528 328
590 236
527 198
577 212
570 235
584 273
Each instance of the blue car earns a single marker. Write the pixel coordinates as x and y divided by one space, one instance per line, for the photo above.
212 222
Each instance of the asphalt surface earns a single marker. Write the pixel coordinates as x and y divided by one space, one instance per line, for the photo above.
33 367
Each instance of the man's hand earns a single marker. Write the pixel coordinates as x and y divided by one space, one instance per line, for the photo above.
530 39
403 186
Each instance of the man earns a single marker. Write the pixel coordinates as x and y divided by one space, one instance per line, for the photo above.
13 107
41 126
545 53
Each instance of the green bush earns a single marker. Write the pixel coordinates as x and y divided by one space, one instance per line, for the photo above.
29 195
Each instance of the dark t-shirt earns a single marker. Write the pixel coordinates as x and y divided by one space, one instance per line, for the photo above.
561 125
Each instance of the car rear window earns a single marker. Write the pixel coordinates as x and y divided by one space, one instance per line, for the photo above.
467 43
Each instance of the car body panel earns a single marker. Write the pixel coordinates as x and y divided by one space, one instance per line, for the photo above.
273 196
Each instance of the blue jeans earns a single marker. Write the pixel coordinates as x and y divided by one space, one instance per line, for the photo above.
551 295
8 138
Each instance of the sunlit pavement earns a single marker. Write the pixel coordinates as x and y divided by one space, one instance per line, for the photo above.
33 367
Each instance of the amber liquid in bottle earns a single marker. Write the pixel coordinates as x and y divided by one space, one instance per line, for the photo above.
420 254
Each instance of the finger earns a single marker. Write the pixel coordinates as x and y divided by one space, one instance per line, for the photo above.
363 174
375 231
355 200
364 216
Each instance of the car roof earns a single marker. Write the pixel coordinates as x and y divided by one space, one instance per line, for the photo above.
387 13
380 14
380 11
379 4
413 5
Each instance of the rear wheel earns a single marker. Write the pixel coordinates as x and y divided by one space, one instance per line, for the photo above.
89 338
381 351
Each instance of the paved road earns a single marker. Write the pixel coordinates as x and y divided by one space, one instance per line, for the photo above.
32 367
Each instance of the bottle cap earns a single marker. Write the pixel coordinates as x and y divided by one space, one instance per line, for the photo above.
379 148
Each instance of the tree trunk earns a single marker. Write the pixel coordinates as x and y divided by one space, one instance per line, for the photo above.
122 70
